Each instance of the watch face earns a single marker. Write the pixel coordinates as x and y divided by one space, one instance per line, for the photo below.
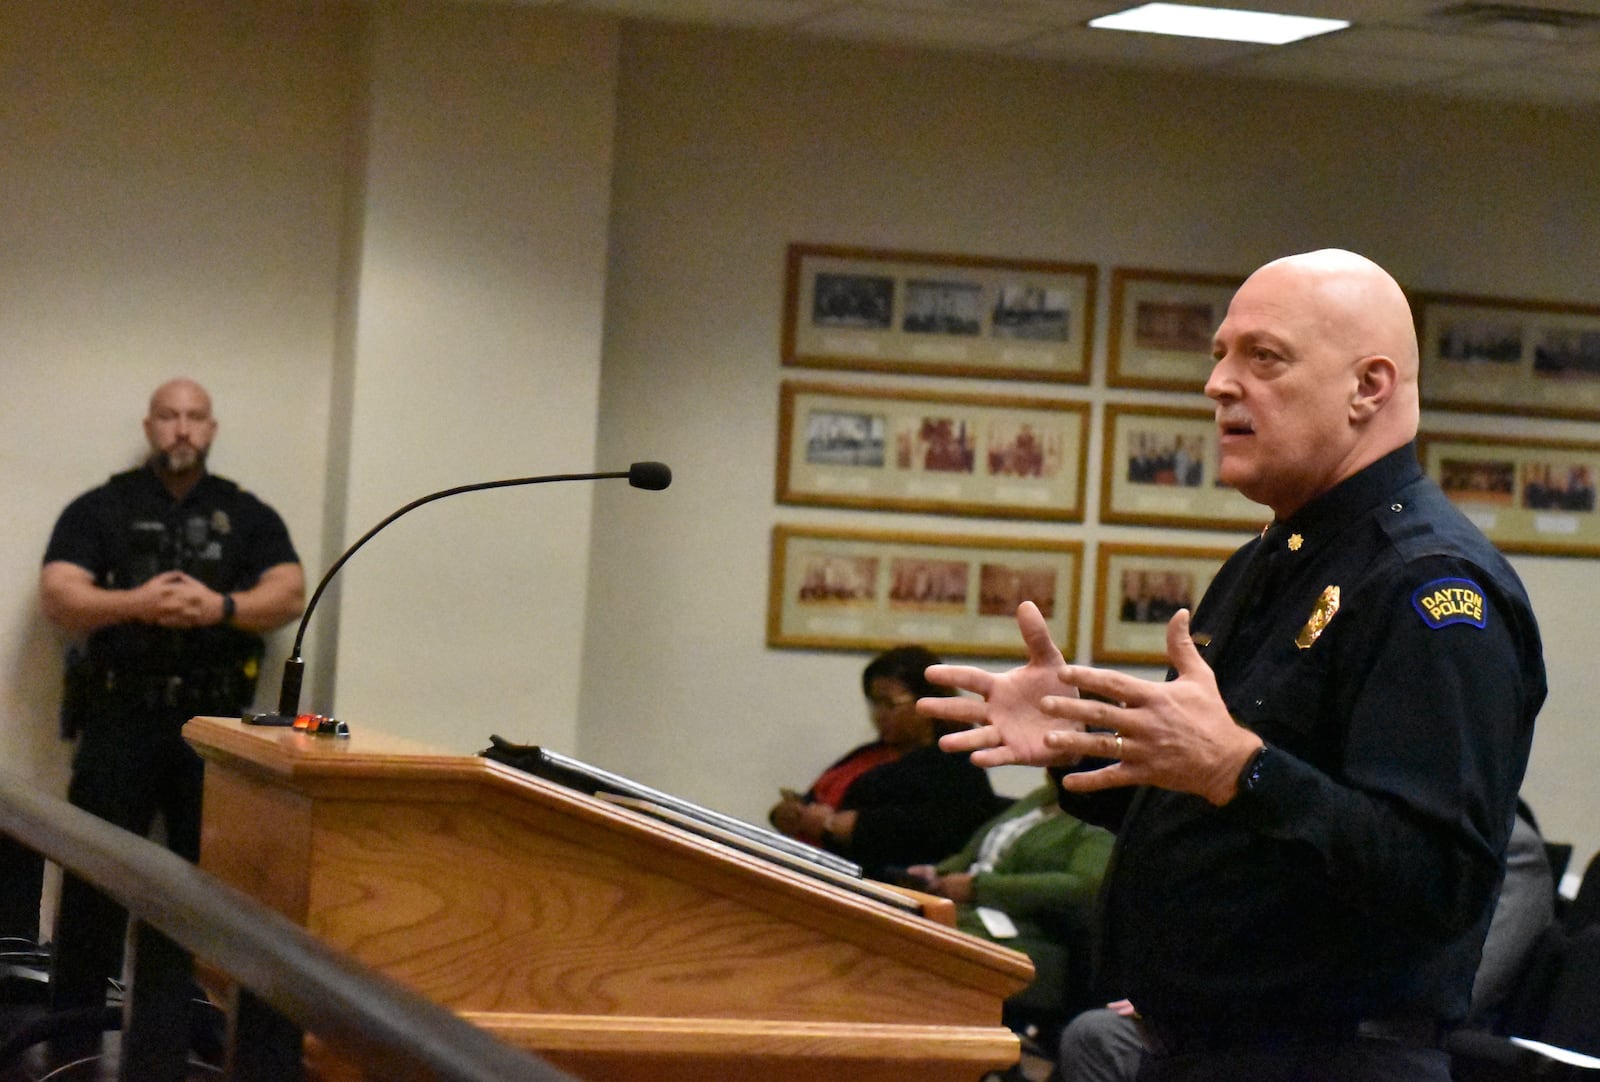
1252 770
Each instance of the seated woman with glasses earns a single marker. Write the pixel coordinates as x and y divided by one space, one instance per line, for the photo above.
897 800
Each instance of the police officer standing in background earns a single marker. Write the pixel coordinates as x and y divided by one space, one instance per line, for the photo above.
173 574
1313 810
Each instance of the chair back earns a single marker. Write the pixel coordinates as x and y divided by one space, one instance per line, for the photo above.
1584 909
1573 1017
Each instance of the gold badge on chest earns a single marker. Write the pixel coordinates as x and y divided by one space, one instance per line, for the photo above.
1322 613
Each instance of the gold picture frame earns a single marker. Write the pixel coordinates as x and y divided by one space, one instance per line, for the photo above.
1137 589
1493 355
928 313
1161 327
1526 495
1159 468
846 589
923 451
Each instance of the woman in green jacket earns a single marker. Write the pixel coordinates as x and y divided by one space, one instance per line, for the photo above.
1027 879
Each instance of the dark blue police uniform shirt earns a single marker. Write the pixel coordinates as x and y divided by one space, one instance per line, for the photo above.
130 529
1356 878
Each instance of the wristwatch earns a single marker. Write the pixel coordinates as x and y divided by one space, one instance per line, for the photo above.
228 609
1250 776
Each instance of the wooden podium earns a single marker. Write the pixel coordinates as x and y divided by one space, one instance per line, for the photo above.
614 945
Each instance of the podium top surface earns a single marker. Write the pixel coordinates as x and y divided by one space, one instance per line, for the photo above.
342 802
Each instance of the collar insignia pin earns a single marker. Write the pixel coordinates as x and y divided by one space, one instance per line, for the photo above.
1295 541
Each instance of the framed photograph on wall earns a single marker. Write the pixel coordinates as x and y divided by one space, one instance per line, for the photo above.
1526 495
1137 589
941 315
901 450
1161 327
869 590
1504 356
1159 468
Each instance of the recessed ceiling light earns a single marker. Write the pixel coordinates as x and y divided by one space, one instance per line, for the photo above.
1223 24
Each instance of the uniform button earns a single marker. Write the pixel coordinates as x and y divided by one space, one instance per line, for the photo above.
1396 507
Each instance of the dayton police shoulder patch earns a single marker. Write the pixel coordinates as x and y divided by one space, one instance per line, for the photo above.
1443 602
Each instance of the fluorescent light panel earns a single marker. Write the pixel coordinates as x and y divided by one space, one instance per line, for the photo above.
1222 24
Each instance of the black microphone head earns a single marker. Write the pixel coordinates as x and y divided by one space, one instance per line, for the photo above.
652 475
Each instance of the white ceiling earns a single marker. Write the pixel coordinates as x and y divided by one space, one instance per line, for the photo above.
1514 50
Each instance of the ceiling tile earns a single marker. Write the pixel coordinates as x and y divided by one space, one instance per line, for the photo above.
1401 42
719 12
1545 86
921 28
1395 43
1051 13
1325 66
1115 47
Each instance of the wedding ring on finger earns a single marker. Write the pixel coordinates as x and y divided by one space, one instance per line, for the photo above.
1119 746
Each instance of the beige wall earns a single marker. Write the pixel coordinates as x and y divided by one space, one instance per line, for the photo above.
174 179
728 148
477 355
379 236
413 245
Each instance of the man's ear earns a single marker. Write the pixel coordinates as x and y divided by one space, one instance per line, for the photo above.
1376 379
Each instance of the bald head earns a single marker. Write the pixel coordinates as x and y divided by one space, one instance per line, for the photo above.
180 428
1360 308
180 389
1316 376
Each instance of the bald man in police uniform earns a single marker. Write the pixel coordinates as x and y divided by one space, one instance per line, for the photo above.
1313 809
171 575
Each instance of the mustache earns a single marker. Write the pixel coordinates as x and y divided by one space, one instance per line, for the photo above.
1234 417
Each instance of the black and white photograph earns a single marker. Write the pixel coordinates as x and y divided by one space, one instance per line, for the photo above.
1567 353
1474 342
943 307
1032 312
853 300
839 438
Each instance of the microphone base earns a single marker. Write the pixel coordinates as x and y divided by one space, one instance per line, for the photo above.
267 719
316 724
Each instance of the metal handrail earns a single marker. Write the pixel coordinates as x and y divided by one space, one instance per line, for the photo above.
390 1030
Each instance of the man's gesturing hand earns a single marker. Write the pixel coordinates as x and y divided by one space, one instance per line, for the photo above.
1174 734
1009 724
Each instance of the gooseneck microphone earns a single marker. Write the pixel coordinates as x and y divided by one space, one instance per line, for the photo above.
648 475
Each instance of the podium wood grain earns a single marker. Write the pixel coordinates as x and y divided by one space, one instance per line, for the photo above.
613 944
